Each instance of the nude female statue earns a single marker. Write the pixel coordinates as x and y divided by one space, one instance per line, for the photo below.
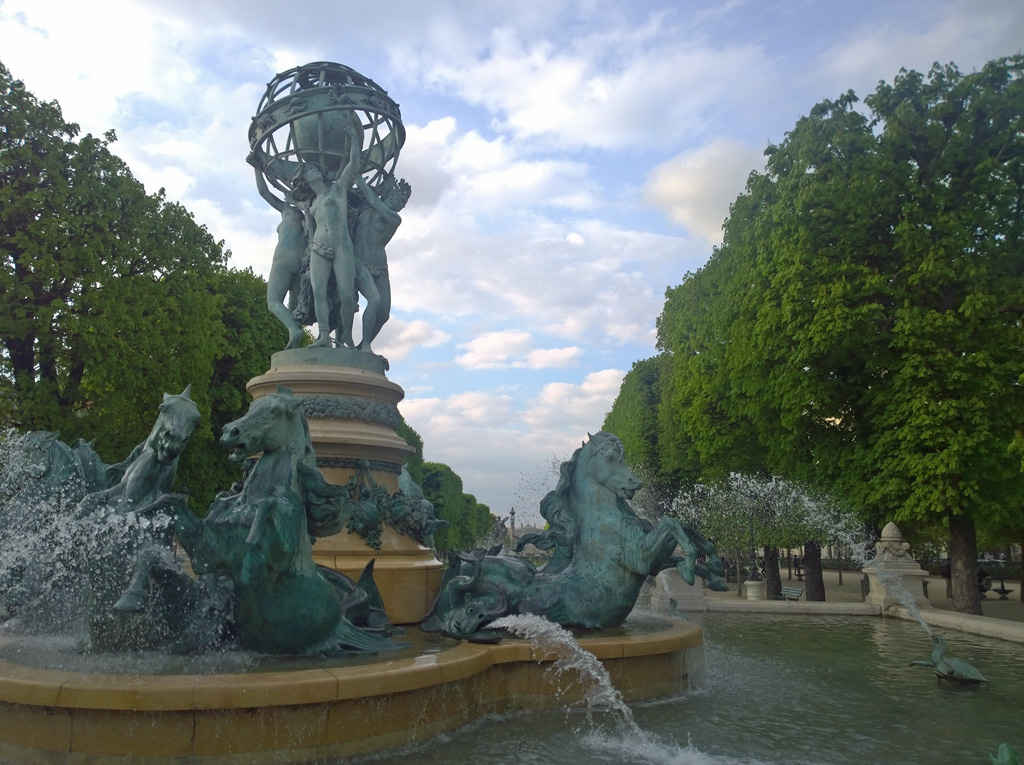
288 254
374 227
331 249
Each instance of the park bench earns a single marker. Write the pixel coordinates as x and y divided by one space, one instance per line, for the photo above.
789 593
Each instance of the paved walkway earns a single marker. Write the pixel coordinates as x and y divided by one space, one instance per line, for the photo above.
849 591
1001 618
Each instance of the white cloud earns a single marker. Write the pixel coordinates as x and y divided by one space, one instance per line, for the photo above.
565 406
552 358
696 188
399 338
514 349
642 85
493 349
969 35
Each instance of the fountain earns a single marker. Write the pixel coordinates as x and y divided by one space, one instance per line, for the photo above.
138 632
283 624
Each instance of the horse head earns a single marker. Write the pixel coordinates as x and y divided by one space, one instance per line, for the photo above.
602 462
273 422
36 457
174 425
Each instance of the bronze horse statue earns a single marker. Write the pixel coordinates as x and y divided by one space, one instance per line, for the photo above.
132 542
260 537
603 553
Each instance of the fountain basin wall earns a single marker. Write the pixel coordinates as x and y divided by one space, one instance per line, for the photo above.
51 716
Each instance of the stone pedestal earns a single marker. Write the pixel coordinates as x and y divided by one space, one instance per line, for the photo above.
352 411
894 577
672 594
754 590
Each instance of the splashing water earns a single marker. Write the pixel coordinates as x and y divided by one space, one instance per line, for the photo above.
628 742
550 638
895 584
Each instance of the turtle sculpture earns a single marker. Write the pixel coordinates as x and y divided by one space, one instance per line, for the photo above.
949 667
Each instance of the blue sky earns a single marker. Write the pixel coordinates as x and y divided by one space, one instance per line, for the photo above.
569 161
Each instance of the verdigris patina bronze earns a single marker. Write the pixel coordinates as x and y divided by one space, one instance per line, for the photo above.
320 132
603 552
132 549
253 581
949 667
412 514
261 538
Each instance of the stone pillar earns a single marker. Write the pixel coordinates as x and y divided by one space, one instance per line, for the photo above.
352 411
754 589
895 578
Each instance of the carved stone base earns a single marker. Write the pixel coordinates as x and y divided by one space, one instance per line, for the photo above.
894 578
352 411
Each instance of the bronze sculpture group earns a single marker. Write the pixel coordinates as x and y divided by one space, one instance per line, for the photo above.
324 145
602 554
327 140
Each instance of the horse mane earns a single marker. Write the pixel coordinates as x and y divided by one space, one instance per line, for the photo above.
60 458
561 531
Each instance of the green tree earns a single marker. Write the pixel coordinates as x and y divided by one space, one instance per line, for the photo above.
471 522
634 418
110 297
250 335
103 292
864 324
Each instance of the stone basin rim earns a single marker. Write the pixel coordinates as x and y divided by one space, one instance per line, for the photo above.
24 684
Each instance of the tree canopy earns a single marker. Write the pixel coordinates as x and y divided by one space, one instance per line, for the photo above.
110 297
860 327
471 522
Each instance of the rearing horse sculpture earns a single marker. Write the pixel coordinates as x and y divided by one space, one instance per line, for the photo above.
133 540
603 552
260 538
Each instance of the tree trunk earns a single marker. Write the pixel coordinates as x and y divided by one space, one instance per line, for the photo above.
812 569
772 578
963 556
1020 584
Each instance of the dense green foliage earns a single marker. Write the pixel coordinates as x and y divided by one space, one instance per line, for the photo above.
110 297
471 522
860 327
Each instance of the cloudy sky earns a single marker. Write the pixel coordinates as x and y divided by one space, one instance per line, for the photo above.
570 159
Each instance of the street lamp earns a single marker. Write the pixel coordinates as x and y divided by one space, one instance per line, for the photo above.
754 575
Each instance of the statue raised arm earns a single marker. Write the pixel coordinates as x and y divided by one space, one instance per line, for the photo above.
288 254
375 225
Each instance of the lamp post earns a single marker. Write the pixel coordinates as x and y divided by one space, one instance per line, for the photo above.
754 575
754 586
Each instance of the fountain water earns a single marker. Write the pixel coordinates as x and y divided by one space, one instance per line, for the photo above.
549 638
780 690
